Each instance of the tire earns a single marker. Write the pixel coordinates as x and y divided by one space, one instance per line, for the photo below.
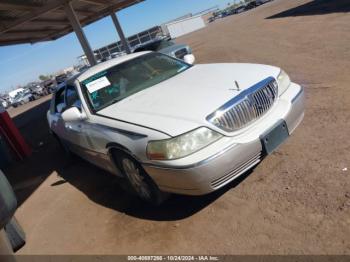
140 182
15 234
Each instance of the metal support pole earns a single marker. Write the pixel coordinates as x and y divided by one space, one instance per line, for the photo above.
120 33
80 33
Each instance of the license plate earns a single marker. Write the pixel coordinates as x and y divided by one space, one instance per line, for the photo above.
274 137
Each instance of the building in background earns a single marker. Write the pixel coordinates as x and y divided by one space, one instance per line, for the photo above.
185 26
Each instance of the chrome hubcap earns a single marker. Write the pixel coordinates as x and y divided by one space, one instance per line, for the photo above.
136 180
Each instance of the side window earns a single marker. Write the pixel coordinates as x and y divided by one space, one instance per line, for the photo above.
72 97
59 101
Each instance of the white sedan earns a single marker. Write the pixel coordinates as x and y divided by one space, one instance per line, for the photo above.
169 126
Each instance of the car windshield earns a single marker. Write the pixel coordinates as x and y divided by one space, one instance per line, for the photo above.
123 80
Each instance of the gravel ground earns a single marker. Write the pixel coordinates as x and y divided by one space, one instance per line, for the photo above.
297 201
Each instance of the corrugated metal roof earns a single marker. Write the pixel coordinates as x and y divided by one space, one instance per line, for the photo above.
32 21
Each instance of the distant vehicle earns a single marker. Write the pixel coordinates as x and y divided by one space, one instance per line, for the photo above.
83 68
23 98
61 80
37 91
166 47
167 125
12 94
211 19
218 15
251 5
260 2
226 13
4 103
49 86
240 9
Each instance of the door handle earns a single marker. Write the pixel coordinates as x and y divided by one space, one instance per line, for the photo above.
71 128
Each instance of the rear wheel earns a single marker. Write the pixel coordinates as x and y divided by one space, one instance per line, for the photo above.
141 183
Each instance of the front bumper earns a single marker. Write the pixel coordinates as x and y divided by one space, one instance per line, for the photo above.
230 157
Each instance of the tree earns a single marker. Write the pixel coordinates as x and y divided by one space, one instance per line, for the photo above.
43 78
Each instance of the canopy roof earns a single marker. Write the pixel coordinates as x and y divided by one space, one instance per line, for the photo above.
32 21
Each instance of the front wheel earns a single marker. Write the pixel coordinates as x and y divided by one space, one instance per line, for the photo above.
139 180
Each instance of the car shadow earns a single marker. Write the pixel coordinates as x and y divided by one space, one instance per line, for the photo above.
114 193
99 186
316 7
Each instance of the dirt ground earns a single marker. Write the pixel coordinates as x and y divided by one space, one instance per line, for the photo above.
297 201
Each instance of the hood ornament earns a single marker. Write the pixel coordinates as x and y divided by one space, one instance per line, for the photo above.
237 87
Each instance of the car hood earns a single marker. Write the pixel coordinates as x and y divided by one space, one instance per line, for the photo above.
183 102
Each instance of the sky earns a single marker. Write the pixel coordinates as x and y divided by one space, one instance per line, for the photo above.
20 64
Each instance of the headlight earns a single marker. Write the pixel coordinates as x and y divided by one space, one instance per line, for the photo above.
182 145
283 81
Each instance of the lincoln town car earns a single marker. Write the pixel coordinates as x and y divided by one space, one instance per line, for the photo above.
169 126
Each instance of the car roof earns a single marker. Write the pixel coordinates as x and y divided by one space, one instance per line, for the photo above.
105 65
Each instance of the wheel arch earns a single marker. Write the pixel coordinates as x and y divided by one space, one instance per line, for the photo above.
113 148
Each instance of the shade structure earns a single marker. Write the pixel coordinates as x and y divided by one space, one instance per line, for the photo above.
33 21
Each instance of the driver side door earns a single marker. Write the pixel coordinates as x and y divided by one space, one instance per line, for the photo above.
73 131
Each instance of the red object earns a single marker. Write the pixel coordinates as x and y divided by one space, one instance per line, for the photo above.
13 136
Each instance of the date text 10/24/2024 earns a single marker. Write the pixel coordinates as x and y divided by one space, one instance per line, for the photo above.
173 258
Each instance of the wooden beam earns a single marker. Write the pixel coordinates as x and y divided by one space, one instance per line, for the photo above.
23 6
35 13
31 31
51 22
96 2
39 21
79 11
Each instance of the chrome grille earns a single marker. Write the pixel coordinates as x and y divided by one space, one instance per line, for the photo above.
247 107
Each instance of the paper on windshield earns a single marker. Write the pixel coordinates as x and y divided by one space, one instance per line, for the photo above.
97 84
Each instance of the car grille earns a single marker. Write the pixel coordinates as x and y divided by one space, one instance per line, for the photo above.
251 162
181 53
247 107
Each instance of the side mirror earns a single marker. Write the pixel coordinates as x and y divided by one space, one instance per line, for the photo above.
190 59
72 114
